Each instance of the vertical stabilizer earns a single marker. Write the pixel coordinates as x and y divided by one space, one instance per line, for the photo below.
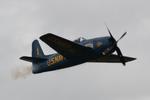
37 53
37 50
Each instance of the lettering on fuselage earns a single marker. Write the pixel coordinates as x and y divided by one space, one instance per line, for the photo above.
56 59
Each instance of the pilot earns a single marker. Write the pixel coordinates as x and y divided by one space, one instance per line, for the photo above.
81 39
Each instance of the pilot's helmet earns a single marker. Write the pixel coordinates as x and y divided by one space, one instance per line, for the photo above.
81 39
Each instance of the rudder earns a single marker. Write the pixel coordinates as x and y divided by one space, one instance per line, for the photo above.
39 56
37 50
37 59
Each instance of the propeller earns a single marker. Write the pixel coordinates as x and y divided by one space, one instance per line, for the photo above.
122 59
110 33
122 36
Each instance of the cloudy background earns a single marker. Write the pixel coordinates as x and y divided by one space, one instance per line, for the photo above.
22 21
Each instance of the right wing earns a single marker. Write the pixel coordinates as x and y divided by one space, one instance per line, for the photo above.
112 59
66 47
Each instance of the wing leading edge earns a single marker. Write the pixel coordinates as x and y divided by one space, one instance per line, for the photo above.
112 59
66 47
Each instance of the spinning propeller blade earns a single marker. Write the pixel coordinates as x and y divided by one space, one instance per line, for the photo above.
116 47
122 36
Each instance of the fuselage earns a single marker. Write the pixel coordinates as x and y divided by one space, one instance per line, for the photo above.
101 46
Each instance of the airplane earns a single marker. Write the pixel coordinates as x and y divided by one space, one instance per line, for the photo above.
71 53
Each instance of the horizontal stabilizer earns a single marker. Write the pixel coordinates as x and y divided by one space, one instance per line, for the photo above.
33 59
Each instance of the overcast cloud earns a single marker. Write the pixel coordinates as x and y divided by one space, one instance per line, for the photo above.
22 21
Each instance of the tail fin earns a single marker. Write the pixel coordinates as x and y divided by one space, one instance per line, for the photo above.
37 54
36 50
37 58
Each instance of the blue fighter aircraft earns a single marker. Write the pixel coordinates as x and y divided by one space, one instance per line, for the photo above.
75 52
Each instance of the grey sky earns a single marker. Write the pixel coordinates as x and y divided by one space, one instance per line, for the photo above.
22 21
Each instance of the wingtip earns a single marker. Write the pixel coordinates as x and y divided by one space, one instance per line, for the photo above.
21 58
132 59
45 35
129 60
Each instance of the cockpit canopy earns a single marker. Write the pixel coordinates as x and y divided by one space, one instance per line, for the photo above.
80 39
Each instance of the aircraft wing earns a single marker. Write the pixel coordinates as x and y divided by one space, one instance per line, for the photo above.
66 47
112 59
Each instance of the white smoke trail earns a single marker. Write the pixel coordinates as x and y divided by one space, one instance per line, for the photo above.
21 72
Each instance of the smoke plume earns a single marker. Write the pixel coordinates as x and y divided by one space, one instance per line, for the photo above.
21 72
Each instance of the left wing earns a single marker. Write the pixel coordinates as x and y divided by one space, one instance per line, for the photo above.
66 47
112 59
